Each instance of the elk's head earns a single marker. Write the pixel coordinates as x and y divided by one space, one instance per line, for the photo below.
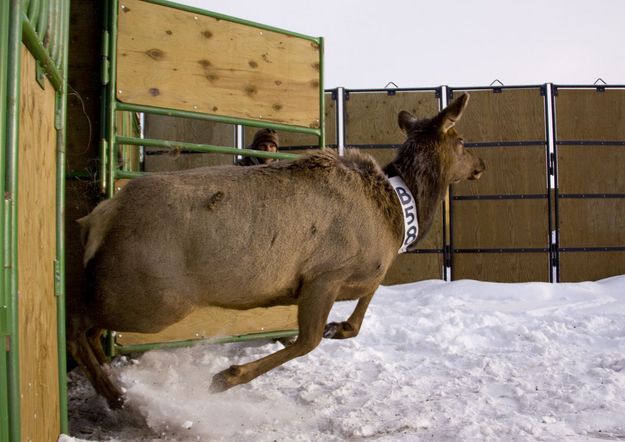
438 138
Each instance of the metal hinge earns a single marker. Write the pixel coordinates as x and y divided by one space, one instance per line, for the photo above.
552 164
58 285
40 75
105 58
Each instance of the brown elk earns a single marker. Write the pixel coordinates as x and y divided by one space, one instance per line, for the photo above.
306 232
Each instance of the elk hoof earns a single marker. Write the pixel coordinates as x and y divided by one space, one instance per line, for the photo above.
226 379
339 330
117 402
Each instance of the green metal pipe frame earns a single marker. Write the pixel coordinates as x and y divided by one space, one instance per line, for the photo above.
216 118
120 349
60 223
22 29
232 19
4 299
10 260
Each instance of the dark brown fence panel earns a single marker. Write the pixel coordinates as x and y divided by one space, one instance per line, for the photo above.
370 118
500 224
590 198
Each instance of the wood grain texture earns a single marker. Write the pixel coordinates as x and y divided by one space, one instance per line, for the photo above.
176 59
592 222
500 224
585 114
501 267
36 216
371 117
293 139
211 322
591 169
590 266
511 115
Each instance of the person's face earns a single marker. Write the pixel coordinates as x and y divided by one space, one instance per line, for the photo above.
268 146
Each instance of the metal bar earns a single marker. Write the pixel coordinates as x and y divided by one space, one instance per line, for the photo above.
10 264
590 143
385 91
192 342
111 158
5 317
591 249
4 55
322 98
504 250
216 118
40 53
500 197
592 195
204 148
340 120
553 263
4 399
232 19
422 251
556 198
540 143
60 232
42 23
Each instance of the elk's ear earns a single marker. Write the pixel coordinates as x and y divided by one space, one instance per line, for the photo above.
406 121
452 113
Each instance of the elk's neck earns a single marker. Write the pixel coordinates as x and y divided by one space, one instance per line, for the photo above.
428 185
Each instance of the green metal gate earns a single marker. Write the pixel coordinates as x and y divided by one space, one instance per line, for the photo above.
33 54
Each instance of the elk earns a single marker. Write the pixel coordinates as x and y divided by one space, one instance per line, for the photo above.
307 232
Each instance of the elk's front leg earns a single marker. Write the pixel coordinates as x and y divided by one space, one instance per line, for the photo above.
351 327
315 302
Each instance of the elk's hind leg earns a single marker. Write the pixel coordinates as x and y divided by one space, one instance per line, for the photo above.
82 352
94 336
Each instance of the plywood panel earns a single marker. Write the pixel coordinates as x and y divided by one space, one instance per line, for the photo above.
592 222
585 114
411 267
591 169
510 115
38 356
292 139
590 266
177 59
501 267
500 224
213 322
509 171
371 117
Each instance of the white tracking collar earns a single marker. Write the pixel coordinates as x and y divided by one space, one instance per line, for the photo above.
409 212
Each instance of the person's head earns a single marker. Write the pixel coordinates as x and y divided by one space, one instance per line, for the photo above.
266 140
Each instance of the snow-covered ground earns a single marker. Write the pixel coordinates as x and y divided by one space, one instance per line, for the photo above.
441 361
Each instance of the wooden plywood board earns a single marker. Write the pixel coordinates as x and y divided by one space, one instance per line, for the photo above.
511 115
171 58
36 203
509 171
592 222
590 266
411 267
591 169
211 322
501 267
500 224
371 117
585 114
293 139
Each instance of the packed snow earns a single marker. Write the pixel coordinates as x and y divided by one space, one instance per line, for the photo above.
442 361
